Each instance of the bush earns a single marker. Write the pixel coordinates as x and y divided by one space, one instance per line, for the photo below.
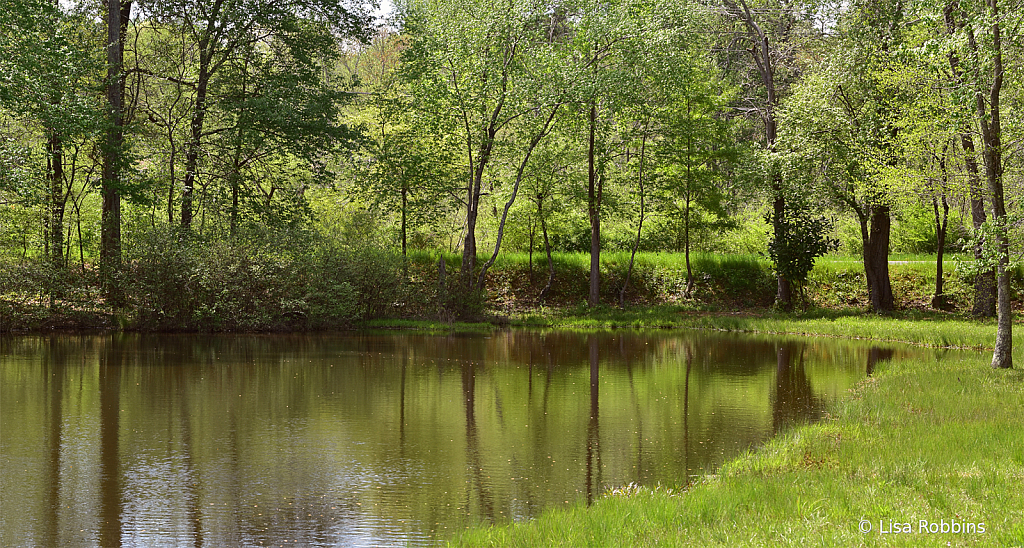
372 275
189 284
291 281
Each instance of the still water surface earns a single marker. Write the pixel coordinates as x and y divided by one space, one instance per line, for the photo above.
376 439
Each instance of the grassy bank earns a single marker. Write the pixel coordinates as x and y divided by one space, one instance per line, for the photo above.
919 440
923 328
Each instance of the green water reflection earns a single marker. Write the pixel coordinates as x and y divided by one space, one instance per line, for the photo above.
370 440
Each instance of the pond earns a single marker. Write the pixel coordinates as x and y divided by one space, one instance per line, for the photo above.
377 439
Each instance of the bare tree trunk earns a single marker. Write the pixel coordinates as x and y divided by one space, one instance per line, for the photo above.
195 142
875 226
939 299
55 162
984 282
515 191
686 249
640 225
533 231
547 248
110 224
594 212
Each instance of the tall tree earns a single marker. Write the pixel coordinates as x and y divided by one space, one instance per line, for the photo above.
838 135
473 65
118 16
849 111
605 65
48 63
397 170
224 32
984 281
768 43
988 87
696 143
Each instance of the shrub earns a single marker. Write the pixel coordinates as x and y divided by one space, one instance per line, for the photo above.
303 282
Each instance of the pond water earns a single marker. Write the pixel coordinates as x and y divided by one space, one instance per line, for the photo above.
377 439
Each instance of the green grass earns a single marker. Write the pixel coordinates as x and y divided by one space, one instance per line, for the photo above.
915 327
919 440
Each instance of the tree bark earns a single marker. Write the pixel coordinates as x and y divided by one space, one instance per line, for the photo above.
547 248
110 223
473 196
875 227
985 282
594 212
991 134
195 141
515 191
55 161
640 225
939 299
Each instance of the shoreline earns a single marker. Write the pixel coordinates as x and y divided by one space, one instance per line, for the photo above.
918 441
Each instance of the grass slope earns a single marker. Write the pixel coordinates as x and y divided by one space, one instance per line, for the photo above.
919 440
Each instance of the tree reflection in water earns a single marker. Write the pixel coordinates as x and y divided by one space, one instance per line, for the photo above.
374 439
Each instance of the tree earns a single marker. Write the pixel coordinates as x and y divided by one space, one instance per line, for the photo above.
696 142
984 282
803 238
397 168
289 38
480 69
605 68
49 68
988 87
846 124
770 48
117 16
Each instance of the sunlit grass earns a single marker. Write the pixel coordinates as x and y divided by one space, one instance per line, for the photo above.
915 327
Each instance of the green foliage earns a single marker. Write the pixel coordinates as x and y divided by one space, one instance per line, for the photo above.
370 274
285 282
986 235
802 237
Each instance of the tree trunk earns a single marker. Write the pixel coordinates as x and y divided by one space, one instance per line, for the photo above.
991 133
763 59
984 282
686 249
547 248
533 231
405 227
55 161
876 256
110 224
640 225
171 184
473 201
195 142
939 300
515 191
594 211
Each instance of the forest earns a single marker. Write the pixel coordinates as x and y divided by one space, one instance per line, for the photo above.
255 164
